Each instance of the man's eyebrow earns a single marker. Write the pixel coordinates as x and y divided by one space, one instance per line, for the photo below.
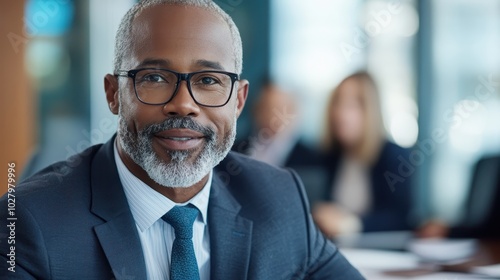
148 62
209 64
165 63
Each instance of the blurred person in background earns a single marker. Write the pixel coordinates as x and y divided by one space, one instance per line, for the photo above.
482 208
275 138
357 195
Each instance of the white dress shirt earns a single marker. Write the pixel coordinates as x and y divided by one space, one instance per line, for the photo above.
352 192
352 188
157 236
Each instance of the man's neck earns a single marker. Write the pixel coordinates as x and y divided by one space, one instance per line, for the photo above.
180 195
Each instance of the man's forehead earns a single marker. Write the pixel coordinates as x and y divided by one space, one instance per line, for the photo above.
178 16
170 34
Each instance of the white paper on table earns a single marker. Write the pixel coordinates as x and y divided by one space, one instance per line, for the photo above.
380 260
373 263
490 270
443 250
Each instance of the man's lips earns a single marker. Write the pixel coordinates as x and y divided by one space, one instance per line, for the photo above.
180 133
179 139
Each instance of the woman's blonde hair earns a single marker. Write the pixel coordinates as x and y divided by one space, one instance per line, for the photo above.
373 136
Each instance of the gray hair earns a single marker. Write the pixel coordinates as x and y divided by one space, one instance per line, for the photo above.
122 44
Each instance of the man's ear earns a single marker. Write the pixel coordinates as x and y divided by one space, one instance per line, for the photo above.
242 94
111 88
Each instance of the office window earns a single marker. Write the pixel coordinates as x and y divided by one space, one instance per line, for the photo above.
315 44
465 104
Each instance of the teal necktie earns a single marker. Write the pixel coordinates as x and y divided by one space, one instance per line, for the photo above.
183 265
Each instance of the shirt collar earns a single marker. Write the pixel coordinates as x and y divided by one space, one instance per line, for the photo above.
148 205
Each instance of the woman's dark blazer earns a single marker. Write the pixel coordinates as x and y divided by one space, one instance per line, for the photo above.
390 179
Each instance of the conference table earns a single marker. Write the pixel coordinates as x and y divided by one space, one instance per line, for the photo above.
398 255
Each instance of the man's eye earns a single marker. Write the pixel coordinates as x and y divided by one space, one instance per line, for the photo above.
155 78
208 81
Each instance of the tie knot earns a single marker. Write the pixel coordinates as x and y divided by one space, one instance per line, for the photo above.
181 218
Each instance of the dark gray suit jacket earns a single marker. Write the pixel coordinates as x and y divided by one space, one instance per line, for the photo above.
482 207
74 222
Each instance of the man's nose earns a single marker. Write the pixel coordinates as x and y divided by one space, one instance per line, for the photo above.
182 104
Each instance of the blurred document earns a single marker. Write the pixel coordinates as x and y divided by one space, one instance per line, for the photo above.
489 270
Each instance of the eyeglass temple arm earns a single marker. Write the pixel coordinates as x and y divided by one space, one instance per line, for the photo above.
122 73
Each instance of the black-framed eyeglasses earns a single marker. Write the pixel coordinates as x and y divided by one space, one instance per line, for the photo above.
155 86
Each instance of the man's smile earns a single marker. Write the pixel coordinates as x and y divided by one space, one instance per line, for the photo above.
179 139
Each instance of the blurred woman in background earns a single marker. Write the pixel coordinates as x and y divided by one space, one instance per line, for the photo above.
360 193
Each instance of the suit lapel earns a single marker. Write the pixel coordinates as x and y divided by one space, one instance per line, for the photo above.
230 234
118 235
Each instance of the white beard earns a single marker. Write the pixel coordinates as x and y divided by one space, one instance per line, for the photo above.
183 170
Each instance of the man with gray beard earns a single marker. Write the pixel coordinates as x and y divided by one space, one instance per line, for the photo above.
164 198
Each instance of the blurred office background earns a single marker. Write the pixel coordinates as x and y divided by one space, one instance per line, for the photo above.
437 63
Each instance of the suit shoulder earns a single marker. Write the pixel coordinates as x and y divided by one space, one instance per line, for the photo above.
58 177
254 182
238 164
392 149
391 152
390 157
